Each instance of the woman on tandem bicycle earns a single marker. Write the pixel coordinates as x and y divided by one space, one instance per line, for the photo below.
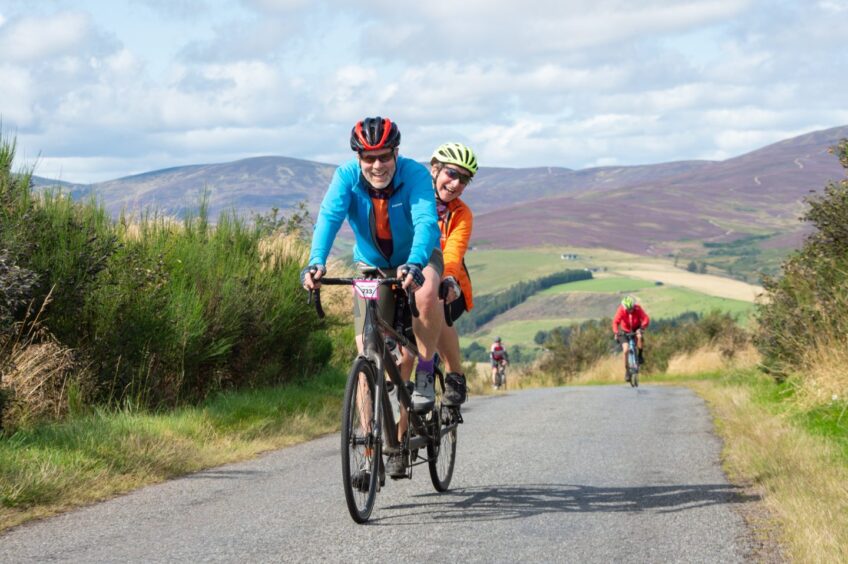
388 202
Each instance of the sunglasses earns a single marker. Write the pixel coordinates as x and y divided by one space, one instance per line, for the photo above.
454 174
384 158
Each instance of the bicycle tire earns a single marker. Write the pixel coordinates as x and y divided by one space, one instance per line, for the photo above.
441 457
360 452
634 367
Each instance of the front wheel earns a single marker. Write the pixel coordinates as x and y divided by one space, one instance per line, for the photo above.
633 361
361 450
442 456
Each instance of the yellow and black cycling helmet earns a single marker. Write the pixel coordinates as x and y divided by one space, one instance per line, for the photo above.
456 154
628 302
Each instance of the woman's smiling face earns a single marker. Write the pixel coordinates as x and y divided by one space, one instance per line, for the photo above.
450 180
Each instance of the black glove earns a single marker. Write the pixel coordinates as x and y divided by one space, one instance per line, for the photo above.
448 284
312 269
415 271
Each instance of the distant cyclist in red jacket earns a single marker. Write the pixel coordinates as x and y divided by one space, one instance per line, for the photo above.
628 318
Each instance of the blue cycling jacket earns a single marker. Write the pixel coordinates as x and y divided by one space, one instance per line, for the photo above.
412 216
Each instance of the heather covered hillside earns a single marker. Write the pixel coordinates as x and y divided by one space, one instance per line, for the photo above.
657 209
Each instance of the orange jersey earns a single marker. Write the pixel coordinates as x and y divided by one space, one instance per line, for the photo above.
456 232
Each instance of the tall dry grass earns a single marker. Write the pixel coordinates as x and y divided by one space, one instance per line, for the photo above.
712 359
135 229
35 370
607 369
823 376
281 246
803 482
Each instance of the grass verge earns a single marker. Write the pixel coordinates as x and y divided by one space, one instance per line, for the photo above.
48 469
796 460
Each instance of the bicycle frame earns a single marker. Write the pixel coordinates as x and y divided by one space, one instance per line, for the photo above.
632 357
374 334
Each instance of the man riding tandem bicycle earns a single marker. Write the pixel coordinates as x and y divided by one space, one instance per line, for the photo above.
388 202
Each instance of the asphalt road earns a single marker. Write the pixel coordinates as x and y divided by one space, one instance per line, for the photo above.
576 474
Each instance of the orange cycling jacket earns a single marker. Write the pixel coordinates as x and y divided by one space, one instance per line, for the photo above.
455 226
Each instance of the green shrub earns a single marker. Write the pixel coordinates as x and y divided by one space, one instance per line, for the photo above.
577 347
157 313
809 300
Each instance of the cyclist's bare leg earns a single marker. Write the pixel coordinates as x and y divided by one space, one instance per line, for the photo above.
625 348
449 349
364 404
428 324
406 365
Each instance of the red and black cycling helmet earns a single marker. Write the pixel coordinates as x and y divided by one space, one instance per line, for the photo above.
374 133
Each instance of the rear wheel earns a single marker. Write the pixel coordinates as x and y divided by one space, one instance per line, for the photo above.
442 456
361 452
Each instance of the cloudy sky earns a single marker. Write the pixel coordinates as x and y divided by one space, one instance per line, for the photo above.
98 89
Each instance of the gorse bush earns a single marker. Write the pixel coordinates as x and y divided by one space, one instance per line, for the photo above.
157 312
195 309
807 307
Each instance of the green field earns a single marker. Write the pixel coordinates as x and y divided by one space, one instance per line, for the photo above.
669 301
661 302
493 271
515 332
605 285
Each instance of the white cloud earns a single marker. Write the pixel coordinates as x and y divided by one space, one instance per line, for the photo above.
541 82
16 93
834 6
176 8
276 6
530 29
31 39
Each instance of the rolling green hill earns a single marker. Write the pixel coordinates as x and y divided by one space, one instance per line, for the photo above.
663 289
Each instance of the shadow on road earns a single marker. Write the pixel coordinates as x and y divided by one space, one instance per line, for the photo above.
494 503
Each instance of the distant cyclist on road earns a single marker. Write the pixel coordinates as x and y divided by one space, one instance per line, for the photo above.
630 317
452 167
499 356
388 202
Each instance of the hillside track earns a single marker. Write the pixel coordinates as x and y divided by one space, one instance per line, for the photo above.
574 474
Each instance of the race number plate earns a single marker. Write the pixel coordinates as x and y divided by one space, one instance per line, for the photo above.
366 289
